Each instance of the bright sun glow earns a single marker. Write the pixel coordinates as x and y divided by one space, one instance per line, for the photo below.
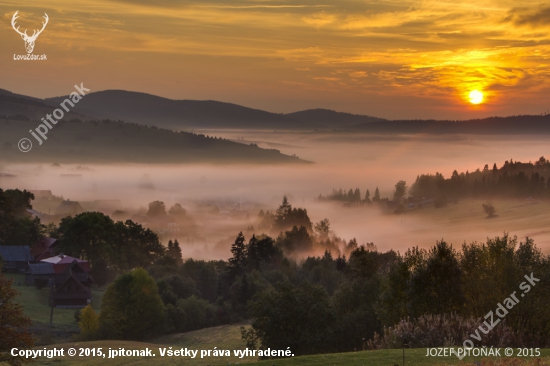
476 97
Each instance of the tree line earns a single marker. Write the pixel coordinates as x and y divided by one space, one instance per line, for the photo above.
111 247
347 297
321 304
351 196
513 179
16 225
360 298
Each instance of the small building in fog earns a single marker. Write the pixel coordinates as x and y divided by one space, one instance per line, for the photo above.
42 194
69 208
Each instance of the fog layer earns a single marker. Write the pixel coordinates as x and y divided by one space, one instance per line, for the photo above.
341 161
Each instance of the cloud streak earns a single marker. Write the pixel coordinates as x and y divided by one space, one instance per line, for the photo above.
345 50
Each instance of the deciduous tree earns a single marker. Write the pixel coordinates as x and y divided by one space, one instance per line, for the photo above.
400 190
156 208
88 235
295 317
134 246
132 308
13 324
489 209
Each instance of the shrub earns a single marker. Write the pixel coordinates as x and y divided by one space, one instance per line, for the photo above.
199 313
175 319
89 323
444 330
489 209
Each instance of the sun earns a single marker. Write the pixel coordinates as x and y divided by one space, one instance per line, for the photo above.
476 97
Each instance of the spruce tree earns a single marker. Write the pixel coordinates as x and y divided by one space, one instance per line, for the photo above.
367 197
376 197
174 251
238 262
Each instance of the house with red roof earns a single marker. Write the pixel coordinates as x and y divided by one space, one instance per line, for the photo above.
62 262
71 288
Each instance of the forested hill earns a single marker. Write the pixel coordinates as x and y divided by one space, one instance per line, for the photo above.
110 141
332 119
526 124
513 179
150 109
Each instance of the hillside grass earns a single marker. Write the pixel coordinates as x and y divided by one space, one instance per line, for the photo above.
35 303
228 338
416 357
465 221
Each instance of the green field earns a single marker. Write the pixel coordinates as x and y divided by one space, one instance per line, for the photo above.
228 338
35 303
35 306
465 221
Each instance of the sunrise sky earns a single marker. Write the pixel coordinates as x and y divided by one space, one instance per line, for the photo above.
392 59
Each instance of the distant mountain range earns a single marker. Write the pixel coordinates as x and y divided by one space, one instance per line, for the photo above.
331 119
525 124
79 138
151 110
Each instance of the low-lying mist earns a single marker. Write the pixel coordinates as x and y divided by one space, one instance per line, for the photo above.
342 160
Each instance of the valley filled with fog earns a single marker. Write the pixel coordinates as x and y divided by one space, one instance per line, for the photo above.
221 200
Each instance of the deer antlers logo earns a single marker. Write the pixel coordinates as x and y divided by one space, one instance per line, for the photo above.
29 41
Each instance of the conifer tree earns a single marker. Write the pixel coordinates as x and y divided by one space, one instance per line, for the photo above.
367 197
376 197
238 262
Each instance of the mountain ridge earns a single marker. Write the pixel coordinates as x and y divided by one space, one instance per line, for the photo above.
148 109
143 108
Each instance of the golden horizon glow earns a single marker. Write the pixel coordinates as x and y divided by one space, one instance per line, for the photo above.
476 97
359 57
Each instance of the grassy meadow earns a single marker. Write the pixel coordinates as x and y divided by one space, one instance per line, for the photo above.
466 220
35 303
228 338
35 306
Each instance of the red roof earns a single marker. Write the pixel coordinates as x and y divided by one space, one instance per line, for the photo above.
61 262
